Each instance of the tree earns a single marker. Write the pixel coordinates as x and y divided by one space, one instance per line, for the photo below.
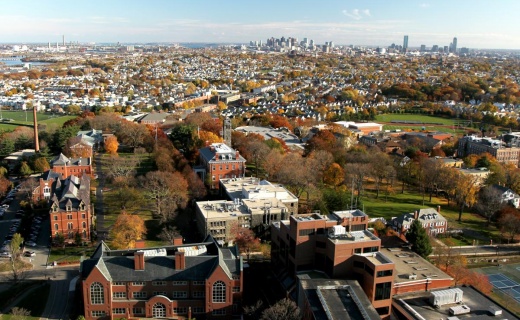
334 175
128 198
41 165
221 105
245 239
121 166
509 223
489 202
15 251
126 230
284 309
168 190
111 145
5 184
466 190
19 313
25 169
419 239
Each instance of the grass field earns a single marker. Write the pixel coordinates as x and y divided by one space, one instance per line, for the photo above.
415 117
419 128
22 118
69 254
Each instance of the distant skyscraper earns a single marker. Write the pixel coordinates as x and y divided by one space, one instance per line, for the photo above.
423 47
454 45
405 43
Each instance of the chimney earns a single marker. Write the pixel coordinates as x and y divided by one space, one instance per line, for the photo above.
416 215
140 244
177 241
438 209
36 141
180 260
237 155
139 260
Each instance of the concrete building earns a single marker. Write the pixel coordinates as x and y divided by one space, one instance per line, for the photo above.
199 280
219 161
497 148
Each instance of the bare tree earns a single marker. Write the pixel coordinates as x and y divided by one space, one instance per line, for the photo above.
284 309
19 313
489 202
121 166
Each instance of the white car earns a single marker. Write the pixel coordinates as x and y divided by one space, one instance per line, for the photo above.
5 255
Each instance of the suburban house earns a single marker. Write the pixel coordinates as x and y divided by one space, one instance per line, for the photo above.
72 166
507 195
70 211
200 280
341 246
219 161
430 219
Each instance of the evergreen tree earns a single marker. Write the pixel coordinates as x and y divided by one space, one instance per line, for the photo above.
419 239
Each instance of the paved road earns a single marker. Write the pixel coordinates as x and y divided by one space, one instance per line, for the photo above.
61 295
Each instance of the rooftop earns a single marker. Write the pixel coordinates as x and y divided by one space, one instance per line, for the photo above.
410 266
475 300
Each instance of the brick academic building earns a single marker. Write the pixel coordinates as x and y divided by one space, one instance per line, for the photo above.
340 245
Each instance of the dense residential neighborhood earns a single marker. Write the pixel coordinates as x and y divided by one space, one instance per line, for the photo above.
230 182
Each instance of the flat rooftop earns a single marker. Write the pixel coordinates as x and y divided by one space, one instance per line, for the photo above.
475 300
221 209
408 263
268 133
249 187
377 258
354 236
336 299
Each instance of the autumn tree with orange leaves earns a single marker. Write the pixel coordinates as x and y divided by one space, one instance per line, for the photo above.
334 175
126 230
111 145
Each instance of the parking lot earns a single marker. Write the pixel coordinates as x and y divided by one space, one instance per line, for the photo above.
33 228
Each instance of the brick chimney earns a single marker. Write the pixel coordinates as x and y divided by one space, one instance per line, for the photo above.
180 260
438 209
237 155
36 140
139 260
177 241
416 215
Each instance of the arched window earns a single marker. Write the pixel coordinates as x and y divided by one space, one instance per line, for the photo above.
159 310
84 224
56 227
219 292
97 295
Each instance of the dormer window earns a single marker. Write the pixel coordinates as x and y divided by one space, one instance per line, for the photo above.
69 208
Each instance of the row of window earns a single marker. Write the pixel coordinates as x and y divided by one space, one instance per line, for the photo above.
160 283
159 310
213 168
70 226
69 217
97 294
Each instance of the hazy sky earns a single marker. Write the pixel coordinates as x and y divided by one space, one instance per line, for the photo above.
476 23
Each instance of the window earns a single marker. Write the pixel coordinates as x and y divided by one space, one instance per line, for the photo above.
137 311
118 283
138 283
384 273
98 314
119 295
180 310
97 295
159 293
56 226
180 294
383 291
180 283
198 309
199 283
69 216
84 224
306 232
70 226
139 295
219 292
236 289
158 283
369 269
158 310
119 311
357 250
56 218
198 294
219 312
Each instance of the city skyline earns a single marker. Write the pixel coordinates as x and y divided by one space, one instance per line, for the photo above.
476 24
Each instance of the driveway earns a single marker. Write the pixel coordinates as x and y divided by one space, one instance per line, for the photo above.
102 232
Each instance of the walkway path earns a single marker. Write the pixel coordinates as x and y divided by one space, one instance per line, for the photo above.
102 232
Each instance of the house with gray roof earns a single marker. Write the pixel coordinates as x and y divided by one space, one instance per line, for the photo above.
431 220
180 281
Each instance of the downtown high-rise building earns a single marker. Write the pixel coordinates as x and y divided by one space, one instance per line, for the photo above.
405 43
454 45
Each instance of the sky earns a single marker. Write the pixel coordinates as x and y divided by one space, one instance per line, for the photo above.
489 24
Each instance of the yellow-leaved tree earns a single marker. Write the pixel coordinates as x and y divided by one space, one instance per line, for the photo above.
209 137
127 229
111 145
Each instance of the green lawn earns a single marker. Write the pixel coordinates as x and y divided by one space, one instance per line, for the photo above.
20 118
69 254
414 117
419 128
410 201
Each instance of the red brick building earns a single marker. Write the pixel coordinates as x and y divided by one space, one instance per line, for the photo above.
201 281
220 161
43 191
69 166
341 246
70 211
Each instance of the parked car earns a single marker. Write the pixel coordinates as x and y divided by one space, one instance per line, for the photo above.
5 255
29 253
